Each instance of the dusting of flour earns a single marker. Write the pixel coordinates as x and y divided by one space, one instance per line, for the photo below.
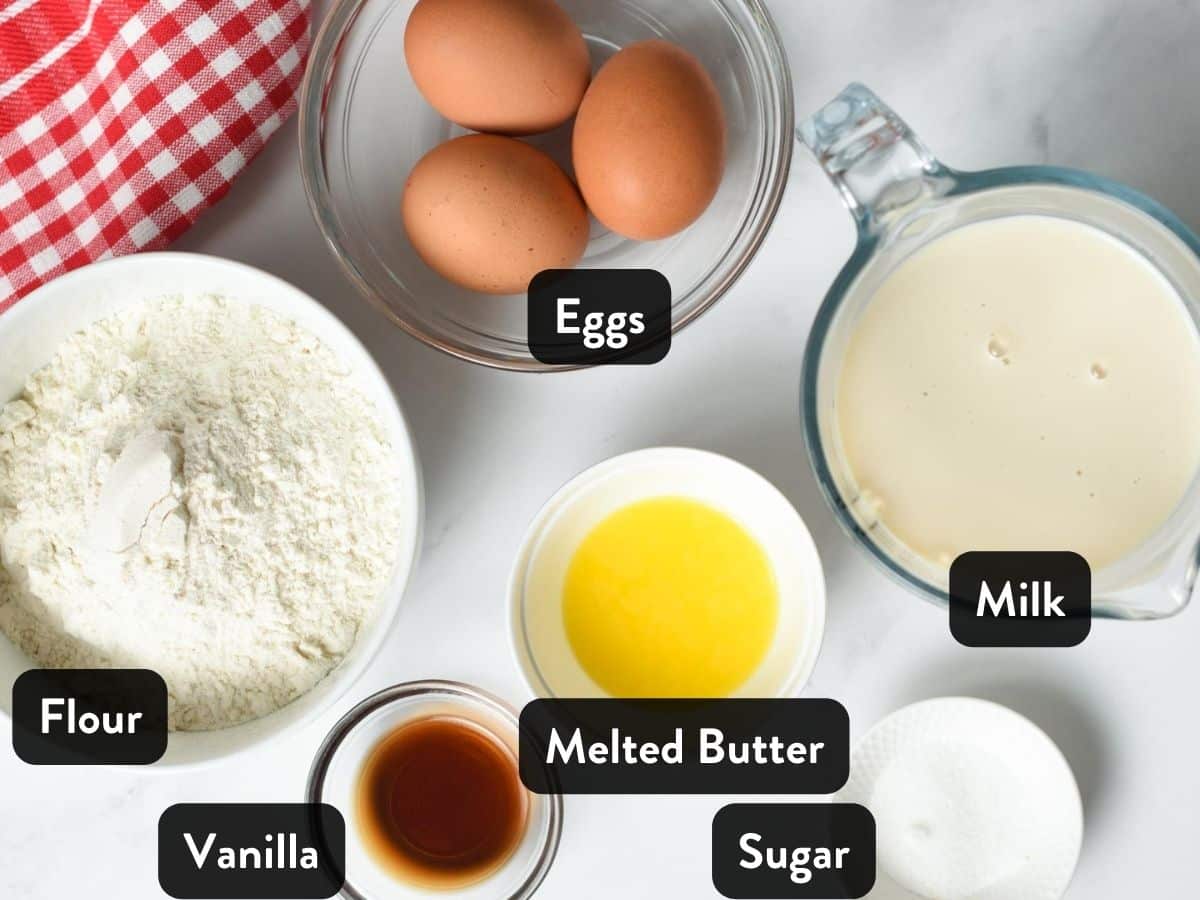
196 488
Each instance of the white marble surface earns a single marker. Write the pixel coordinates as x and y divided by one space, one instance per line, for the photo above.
1103 84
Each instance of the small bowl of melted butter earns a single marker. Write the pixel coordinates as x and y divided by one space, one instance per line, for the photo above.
667 572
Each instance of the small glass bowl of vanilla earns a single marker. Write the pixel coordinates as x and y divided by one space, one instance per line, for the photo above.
426 776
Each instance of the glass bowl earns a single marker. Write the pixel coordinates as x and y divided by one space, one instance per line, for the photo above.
364 124
336 767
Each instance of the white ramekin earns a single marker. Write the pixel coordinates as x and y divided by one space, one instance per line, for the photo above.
539 638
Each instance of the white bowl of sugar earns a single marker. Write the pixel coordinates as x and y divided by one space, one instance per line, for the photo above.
32 335
971 800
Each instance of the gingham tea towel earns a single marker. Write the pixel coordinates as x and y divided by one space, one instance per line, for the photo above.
122 120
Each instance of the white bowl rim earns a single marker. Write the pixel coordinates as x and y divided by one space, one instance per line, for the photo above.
341 677
802 670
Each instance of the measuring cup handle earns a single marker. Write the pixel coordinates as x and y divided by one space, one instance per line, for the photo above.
873 158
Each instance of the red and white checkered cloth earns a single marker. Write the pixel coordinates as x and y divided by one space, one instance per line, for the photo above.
122 120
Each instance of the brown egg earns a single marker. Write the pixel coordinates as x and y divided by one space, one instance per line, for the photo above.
649 142
489 213
504 66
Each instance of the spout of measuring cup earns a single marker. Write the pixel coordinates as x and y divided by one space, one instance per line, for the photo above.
1165 592
873 158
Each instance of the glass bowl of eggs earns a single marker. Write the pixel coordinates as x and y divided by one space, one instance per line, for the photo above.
451 149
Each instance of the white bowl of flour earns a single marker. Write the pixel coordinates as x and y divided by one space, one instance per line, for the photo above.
202 472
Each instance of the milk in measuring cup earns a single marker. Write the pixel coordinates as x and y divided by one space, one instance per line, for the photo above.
1026 382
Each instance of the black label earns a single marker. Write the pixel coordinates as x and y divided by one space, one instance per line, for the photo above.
224 851
779 850
79 717
684 746
1020 599
599 316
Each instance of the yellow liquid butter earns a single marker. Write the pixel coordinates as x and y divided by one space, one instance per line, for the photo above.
668 597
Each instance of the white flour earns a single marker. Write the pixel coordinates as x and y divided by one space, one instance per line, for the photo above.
195 488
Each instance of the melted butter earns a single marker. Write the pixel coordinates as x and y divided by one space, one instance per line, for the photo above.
668 597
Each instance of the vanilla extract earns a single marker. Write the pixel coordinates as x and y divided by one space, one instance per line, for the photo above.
439 803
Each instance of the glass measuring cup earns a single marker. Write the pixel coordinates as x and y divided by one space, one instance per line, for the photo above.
902 198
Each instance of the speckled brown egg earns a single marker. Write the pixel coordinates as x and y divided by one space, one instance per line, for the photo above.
501 66
649 141
488 213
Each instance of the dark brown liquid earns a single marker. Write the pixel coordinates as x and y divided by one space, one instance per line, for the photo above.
439 803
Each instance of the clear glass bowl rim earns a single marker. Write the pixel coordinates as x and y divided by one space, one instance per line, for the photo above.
768 192
459 692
